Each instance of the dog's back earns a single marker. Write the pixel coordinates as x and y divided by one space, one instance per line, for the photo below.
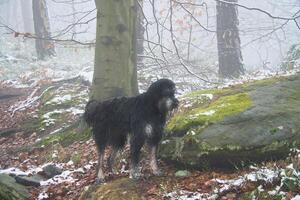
112 112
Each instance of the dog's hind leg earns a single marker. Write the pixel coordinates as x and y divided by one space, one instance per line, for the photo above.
111 160
99 169
117 143
100 137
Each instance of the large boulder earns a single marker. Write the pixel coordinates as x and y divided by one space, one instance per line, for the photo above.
10 190
237 125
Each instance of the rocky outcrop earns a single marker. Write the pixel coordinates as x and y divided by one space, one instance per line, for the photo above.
234 126
10 190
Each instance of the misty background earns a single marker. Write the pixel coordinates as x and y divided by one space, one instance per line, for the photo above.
265 41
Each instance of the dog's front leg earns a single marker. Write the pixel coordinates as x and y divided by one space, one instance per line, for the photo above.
100 174
135 150
153 161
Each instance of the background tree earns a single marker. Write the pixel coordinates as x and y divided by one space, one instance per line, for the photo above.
26 7
228 39
115 53
140 30
44 46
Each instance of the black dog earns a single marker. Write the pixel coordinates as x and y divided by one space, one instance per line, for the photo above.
142 117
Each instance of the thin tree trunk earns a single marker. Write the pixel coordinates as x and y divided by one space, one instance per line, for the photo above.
73 20
115 55
44 46
229 44
27 16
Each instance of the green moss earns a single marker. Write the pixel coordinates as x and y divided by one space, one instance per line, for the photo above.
66 137
76 158
217 110
262 82
123 188
208 91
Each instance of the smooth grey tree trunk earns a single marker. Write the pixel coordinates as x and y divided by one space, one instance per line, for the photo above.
115 55
229 44
26 7
140 30
44 45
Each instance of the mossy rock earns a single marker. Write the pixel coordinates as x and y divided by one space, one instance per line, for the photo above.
10 190
235 126
67 136
119 189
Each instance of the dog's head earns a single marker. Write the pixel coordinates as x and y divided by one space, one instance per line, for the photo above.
163 93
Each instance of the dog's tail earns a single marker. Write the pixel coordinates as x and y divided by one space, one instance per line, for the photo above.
90 112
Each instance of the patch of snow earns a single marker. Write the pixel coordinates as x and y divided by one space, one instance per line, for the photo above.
42 196
14 171
191 132
48 115
264 174
65 176
260 175
297 197
272 192
209 96
81 170
70 162
208 113
183 195
165 141
280 127
87 74
88 166
54 155
59 99
75 111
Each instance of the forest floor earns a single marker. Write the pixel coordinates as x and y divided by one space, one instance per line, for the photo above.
21 152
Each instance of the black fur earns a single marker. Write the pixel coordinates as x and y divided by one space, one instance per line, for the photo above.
142 117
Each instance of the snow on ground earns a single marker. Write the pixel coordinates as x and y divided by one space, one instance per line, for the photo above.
183 195
65 176
262 175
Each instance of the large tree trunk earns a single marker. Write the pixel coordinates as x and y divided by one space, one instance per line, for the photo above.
4 11
229 44
115 58
140 30
44 46
26 8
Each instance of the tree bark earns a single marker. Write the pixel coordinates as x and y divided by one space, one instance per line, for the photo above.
115 55
26 8
44 46
229 44
140 30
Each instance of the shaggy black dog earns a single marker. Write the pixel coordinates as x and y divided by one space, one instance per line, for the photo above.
142 118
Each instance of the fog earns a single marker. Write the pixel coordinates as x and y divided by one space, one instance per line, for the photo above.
265 41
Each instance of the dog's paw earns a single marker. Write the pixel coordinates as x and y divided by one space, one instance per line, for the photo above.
99 181
112 171
135 175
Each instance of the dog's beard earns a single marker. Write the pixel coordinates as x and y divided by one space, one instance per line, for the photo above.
166 106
